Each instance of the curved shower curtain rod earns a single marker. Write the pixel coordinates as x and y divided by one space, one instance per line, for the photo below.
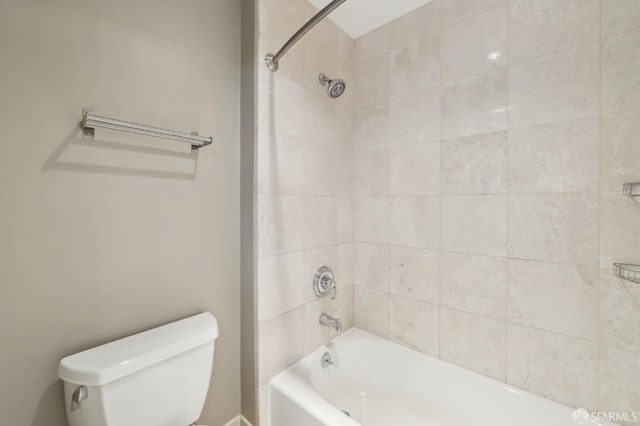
272 60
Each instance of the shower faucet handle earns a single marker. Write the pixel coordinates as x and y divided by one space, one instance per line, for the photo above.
324 282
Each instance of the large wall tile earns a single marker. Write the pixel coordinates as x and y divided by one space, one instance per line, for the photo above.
555 157
371 311
415 169
554 297
414 273
476 284
620 150
556 87
419 24
372 83
415 118
619 312
415 67
344 168
280 224
619 389
371 173
414 324
320 221
459 10
345 266
619 229
415 222
557 367
372 266
473 342
345 219
476 45
619 16
279 169
371 127
475 224
475 105
287 108
317 160
561 228
280 290
281 343
372 220
621 73
474 164
544 26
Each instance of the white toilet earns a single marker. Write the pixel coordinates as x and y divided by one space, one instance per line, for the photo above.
159 377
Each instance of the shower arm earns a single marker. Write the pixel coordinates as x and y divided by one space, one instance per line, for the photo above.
272 60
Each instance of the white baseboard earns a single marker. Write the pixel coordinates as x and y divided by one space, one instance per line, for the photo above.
238 421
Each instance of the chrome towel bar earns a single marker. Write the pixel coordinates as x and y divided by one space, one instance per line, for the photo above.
90 121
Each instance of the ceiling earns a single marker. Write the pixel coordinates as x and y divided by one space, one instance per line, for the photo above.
358 17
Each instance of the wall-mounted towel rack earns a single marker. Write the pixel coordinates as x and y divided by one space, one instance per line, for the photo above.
90 121
631 189
627 272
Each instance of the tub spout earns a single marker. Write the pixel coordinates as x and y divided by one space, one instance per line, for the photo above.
329 321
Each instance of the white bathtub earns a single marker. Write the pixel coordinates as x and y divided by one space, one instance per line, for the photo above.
380 383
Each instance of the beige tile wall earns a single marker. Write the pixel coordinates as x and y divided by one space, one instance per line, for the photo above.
491 141
304 185
465 189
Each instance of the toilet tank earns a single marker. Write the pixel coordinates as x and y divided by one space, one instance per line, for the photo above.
159 377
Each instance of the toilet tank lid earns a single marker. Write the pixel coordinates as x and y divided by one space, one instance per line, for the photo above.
112 361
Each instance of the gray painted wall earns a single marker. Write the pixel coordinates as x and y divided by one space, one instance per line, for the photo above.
100 240
248 346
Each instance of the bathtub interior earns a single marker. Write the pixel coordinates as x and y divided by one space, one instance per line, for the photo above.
381 383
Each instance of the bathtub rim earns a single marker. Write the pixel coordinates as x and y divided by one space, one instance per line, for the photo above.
294 382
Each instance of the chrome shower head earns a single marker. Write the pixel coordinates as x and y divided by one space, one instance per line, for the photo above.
336 87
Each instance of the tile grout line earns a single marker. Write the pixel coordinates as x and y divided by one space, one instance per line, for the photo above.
490 9
353 203
508 191
440 32
475 254
390 144
532 327
599 313
353 185
610 36
519 63
474 135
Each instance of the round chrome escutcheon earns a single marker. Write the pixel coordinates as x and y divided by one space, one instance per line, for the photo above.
323 281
